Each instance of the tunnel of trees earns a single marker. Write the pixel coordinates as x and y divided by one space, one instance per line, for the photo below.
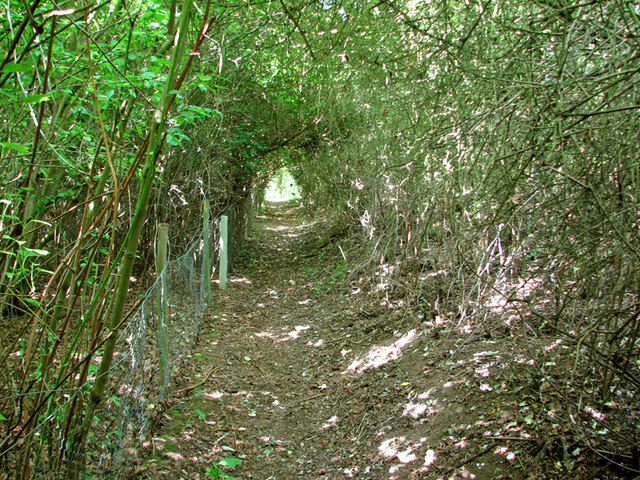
492 143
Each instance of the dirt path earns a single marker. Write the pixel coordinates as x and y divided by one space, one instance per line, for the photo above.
301 378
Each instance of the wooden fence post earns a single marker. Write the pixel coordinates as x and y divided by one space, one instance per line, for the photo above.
163 328
162 247
224 247
206 260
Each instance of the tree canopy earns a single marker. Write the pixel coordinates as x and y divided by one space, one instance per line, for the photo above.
494 140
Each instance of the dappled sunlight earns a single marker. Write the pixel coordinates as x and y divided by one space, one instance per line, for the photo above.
439 321
384 273
483 371
288 312
451 384
455 428
400 449
295 333
351 472
505 452
414 410
332 422
595 413
286 336
426 395
216 395
522 288
381 355
524 360
467 329
484 368
424 408
554 345
462 443
365 221
176 457
427 276
496 302
430 458
282 228
390 448
240 280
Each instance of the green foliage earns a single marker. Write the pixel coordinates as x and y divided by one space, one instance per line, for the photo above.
216 472
73 82
15 146
323 281
282 187
491 140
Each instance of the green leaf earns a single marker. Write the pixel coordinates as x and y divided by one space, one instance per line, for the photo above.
34 252
171 140
2 417
213 472
16 67
42 222
201 413
15 146
229 462
39 97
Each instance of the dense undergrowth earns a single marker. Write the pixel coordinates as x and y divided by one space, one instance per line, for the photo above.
483 154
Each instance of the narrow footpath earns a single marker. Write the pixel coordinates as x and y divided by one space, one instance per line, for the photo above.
302 376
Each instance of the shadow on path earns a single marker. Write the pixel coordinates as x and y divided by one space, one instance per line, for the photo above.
301 378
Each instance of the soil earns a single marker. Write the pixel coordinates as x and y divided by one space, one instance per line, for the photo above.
301 373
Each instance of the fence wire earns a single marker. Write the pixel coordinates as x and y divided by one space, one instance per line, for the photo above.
150 354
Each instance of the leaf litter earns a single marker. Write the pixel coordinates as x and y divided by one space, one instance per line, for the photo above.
299 377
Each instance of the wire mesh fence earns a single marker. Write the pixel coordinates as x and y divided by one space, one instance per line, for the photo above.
150 351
